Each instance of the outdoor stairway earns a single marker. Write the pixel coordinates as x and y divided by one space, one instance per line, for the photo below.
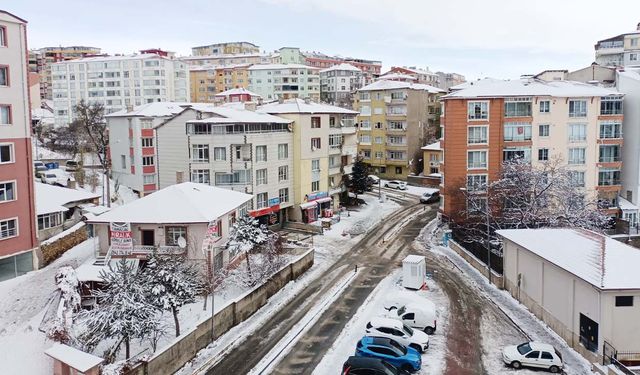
100 261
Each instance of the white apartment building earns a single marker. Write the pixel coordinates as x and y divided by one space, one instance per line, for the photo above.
285 81
117 82
620 50
339 82
628 82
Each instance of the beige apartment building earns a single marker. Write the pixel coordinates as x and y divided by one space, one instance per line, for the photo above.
396 119
620 50
227 48
207 80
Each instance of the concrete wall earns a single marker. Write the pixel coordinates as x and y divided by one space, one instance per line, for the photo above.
184 349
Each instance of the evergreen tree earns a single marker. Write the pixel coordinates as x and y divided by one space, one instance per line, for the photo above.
359 176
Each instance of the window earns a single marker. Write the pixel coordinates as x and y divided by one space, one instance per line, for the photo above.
149 179
5 115
378 140
546 355
517 131
395 155
577 178
608 177
364 138
543 130
3 36
315 122
543 154
315 186
123 161
147 160
478 110
396 125
610 129
512 153
315 165
201 176
7 191
261 153
219 153
6 153
577 155
622 301
634 42
365 96
173 234
611 105
476 159
477 134
365 124
545 106
379 154
283 173
261 177
535 354
4 76
476 204
241 177
262 200
147 142
609 153
315 144
284 195
8 228
577 132
477 182
335 141
633 57
200 153
577 108
283 151
398 170
518 107
51 220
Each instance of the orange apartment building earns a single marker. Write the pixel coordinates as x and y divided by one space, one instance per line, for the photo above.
489 121
207 81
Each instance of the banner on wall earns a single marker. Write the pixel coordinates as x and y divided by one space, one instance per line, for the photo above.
121 238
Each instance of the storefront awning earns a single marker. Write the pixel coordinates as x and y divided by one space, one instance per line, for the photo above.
323 200
306 206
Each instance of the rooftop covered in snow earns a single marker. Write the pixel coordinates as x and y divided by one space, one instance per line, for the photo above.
73 357
237 91
342 66
280 66
398 76
435 146
187 202
385 84
50 198
495 88
300 106
597 259
158 109
234 115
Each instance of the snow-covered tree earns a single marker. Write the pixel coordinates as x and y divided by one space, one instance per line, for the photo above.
174 281
124 311
247 233
359 176
67 282
266 259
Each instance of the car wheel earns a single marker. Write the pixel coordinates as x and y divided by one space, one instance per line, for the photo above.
516 364
554 369
407 368
429 330
386 185
416 347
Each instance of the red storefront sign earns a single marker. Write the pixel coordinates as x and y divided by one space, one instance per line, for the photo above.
265 211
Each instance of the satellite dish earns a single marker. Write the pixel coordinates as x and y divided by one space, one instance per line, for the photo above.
182 243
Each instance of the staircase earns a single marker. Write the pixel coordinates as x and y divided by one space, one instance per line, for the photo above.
103 260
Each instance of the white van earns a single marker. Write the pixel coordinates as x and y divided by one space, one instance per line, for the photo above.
421 316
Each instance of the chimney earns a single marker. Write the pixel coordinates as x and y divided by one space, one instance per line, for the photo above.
129 108
250 106
280 99
307 100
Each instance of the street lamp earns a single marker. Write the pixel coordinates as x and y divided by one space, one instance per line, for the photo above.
486 212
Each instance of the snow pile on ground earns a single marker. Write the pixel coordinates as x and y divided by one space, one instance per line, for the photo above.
433 360
120 194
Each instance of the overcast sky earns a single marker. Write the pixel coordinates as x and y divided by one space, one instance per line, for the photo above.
496 38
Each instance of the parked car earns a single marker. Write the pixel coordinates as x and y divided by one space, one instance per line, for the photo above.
430 197
71 165
395 329
390 351
48 178
372 181
39 168
533 354
416 315
370 366
395 184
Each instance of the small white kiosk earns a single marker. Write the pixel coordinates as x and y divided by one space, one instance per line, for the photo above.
414 271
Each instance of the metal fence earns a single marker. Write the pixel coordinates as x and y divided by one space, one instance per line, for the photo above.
610 356
479 249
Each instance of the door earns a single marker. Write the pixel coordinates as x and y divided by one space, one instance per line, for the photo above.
148 237
588 333
532 359
410 319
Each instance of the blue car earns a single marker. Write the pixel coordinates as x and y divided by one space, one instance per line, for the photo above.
390 351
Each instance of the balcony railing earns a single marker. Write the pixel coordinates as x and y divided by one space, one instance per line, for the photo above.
142 249
609 159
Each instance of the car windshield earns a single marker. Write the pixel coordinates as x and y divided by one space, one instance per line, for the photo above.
408 330
398 346
51 176
401 310
558 354
524 348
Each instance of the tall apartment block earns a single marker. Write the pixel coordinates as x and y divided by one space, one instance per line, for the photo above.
339 83
396 119
18 243
620 50
227 48
207 81
117 82
284 81
371 68
490 121
40 61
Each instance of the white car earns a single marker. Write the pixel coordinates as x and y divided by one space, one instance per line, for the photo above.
533 354
395 184
395 329
421 316
49 178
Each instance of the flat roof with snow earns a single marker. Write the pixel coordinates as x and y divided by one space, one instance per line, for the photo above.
73 357
300 106
50 198
187 202
234 115
237 91
385 84
494 88
597 259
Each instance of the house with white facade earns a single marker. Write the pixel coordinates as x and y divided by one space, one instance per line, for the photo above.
338 84
284 81
584 285
187 218
117 82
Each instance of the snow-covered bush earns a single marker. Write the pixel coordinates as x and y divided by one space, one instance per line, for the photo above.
67 282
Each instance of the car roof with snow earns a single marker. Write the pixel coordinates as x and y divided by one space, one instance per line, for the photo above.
424 304
536 345
386 322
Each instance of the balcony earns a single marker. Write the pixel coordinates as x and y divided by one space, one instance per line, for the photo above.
347 169
348 130
609 159
335 149
334 169
350 150
402 162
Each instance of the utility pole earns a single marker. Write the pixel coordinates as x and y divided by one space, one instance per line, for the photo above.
488 243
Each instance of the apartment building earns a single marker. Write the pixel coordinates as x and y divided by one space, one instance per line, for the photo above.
447 80
489 121
287 55
424 76
40 61
324 148
227 48
628 82
228 59
117 82
396 119
338 84
284 81
620 50
371 68
207 81
18 243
